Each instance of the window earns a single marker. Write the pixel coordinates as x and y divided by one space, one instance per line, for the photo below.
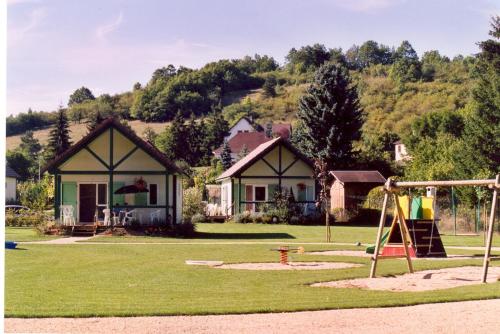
260 193
153 194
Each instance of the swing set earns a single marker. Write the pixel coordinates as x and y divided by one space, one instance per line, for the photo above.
408 244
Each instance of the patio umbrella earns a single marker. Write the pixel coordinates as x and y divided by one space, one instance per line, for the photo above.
131 189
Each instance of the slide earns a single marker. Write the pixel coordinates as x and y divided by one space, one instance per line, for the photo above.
371 249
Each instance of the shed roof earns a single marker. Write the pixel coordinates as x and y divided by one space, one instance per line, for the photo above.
258 153
358 176
9 172
124 130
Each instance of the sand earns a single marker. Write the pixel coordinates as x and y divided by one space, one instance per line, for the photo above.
460 317
364 254
360 253
290 266
426 280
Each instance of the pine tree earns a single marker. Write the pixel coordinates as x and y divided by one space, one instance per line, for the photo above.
243 153
269 129
225 156
149 135
173 140
94 120
330 118
59 138
30 144
216 129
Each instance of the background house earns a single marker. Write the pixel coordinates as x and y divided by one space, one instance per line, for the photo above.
110 157
400 153
349 188
250 140
10 184
254 179
243 125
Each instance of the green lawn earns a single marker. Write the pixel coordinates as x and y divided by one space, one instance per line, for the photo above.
83 280
25 234
230 232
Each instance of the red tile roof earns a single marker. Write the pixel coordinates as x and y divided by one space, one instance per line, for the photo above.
250 139
282 129
354 176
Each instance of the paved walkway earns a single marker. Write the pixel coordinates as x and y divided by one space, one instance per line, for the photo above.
460 317
59 241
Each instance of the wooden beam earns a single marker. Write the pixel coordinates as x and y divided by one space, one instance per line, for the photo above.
174 198
279 167
239 195
379 235
290 165
404 231
110 176
489 239
274 177
126 156
270 166
104 172
57 195
97 157
233 210
167 195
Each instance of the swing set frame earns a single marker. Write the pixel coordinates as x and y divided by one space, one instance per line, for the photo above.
391 188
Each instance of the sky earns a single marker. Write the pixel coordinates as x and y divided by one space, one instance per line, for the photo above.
57 46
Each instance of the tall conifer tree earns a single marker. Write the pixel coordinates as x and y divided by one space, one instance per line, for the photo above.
225 156
59 137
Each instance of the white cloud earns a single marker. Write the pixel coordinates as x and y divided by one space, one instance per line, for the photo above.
366 5
106 29
35 17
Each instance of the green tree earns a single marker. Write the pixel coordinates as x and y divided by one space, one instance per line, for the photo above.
225 156
269 86
30 144
243 153
406 66
80 95
21 163
482 124
173 140
330 118
216 129
269 129
149 135
59 136
94 120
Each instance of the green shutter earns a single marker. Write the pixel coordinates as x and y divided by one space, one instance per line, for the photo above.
120 198
271 190
141 199
69 195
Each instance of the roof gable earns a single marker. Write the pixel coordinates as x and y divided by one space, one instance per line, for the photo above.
97 132
258 153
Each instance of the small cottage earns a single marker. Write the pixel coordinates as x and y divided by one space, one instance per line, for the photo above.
112 168
350 187
273 165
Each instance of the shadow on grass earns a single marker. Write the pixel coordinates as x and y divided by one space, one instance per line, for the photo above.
207 235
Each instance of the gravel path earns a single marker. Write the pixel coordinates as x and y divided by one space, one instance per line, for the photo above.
460 317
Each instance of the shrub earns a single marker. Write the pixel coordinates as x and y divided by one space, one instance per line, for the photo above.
193 202
198 218
26 218
185 229
37 195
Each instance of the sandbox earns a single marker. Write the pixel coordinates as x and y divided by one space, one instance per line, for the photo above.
361 253
426 280
290 266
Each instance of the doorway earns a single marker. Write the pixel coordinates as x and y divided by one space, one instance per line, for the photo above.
87 203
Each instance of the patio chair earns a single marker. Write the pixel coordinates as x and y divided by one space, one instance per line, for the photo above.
107 217
155 216
129 216
67 217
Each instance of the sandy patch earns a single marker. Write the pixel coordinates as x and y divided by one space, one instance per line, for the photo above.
426 280
461 317
364 254
290 266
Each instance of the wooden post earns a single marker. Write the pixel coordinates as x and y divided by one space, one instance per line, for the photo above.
487 252
404 230
379 235
57 196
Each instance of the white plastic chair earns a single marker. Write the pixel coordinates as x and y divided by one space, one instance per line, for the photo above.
154 216
67 217
107 217
129 217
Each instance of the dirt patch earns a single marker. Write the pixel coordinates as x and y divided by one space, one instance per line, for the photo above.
290 266
462 317
426 280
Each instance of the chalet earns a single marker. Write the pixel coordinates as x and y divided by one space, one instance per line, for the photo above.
254 179
112 168
350 187
11 178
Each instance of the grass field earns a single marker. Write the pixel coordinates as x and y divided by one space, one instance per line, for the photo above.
25 234
230 232
81 280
